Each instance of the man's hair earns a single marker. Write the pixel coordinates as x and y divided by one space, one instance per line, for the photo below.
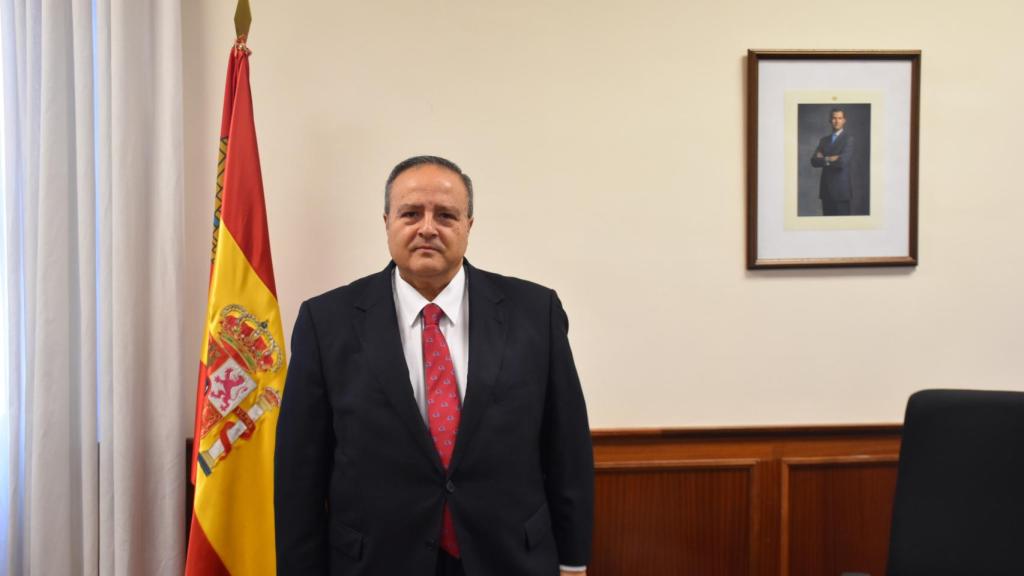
840 110
419 161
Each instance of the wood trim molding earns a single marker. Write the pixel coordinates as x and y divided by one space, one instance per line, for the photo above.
839 461
606 435
634 466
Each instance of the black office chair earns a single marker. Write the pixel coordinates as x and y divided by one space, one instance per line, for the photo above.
959 507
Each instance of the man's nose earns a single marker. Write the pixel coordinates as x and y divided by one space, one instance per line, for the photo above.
428 227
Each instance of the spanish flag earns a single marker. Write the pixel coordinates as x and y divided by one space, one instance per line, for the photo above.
242 366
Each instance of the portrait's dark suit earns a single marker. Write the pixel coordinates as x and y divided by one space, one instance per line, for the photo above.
836 188
359 486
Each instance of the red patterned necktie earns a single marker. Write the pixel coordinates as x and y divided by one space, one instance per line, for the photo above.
442 405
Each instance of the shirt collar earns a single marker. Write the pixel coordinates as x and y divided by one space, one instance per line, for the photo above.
836 134
409 302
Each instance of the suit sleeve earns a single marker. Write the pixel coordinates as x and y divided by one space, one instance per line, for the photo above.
815 161
302 458
567 454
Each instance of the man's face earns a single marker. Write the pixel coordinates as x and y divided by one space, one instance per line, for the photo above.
838 121
428 224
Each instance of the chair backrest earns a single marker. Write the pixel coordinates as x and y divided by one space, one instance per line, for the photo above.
959 507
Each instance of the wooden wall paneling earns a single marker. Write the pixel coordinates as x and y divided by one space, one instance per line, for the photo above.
836 513
764 560
817 500
675 517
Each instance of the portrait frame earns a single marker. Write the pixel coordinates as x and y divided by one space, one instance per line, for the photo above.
809 209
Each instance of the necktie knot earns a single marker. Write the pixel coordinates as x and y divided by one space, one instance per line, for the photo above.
432 314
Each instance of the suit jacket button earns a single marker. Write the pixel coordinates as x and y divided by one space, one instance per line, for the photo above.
450 487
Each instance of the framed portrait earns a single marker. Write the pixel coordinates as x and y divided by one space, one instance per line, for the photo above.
832 157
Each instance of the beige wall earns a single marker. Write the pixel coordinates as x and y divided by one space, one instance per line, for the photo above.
606 140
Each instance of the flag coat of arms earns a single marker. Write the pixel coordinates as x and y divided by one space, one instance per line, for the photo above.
242 365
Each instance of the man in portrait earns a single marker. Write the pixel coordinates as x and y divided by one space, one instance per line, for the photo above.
834 156
433 421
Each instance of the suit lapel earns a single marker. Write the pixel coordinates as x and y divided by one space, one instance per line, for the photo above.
487 328
382 346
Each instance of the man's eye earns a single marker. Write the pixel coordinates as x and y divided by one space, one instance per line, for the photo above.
408 214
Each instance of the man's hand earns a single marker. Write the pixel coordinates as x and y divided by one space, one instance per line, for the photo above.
819 155
833 158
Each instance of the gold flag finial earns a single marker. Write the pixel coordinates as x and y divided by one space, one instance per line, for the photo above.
243 19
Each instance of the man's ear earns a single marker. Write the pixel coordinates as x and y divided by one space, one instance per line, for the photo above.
385 220
470 224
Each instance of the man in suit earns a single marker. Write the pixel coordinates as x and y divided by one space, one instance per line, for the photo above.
834 155
432 422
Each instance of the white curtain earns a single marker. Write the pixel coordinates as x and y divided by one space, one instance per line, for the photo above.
92 238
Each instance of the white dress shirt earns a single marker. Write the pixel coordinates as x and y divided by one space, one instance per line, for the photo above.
454 302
